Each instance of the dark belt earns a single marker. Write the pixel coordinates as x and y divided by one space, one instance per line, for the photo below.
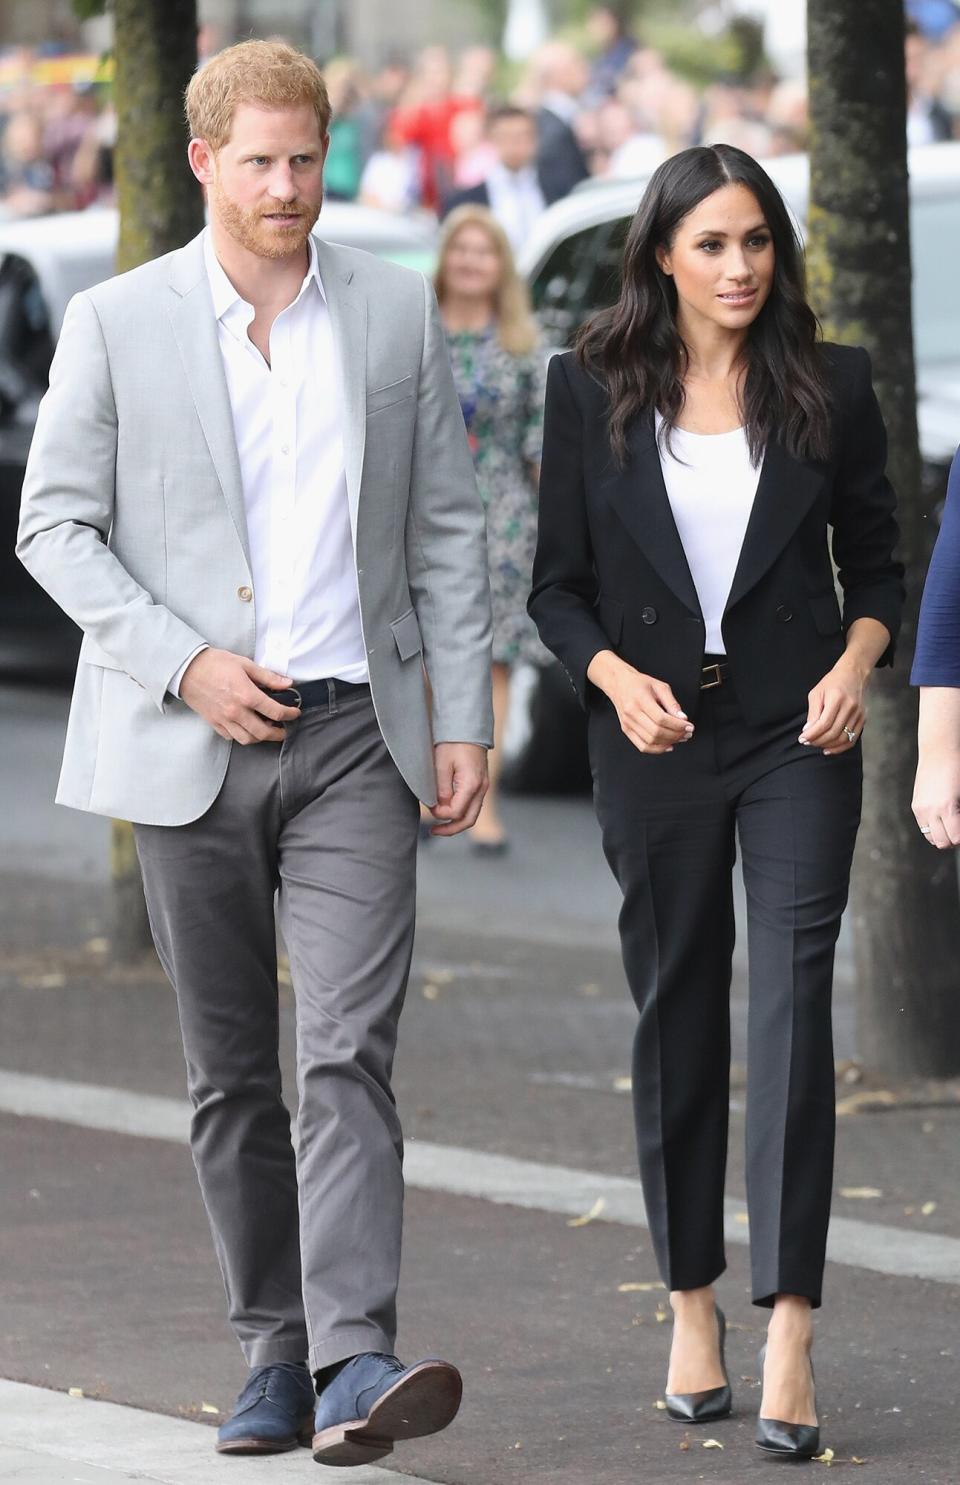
715 671
307 694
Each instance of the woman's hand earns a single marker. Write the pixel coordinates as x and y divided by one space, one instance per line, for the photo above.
936 797
650 715
836 704
936 793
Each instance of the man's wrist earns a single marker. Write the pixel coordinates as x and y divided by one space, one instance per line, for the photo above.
177 681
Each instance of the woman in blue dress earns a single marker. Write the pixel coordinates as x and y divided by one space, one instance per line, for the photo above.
936 670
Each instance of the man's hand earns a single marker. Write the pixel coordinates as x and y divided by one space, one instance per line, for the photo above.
462 782
224 689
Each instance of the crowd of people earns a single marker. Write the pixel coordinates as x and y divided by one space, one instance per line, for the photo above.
438 130
57 130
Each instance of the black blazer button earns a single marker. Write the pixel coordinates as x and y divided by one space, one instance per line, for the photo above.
784 614
649 615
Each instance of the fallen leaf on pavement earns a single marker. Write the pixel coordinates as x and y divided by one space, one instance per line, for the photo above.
661 1317
928 1209
860 1193
660 1405
864 1100
74 1391
431 992
622 1085
641 1288
209 1408
711 1444
825 1458
685 1446
590 1216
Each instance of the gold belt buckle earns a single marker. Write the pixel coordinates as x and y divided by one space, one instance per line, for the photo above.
706 685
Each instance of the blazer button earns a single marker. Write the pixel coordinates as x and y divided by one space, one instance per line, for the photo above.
649 615
784 614
245 594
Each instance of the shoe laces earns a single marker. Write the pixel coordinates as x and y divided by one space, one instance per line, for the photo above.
258 1381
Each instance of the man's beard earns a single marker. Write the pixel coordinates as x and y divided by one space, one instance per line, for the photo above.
248 228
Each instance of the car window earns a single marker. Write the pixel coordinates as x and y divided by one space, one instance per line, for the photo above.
581 275
935 227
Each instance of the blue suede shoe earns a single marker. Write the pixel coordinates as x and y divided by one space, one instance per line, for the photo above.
274 1412
374 1400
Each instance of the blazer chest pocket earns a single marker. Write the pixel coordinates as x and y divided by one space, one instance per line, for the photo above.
406 632
610 614
383 397
826 612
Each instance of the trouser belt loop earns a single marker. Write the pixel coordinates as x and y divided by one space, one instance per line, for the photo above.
332 707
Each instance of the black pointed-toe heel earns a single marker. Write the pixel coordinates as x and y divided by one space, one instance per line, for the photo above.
708 1406
787 1440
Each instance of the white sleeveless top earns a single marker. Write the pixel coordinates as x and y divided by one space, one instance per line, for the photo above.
711 485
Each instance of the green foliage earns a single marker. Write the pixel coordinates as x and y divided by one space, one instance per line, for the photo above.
85 10
736 53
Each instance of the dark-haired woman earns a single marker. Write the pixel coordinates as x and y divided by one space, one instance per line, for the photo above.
697 447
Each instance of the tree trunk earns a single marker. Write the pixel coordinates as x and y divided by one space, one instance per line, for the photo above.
161 208
906 912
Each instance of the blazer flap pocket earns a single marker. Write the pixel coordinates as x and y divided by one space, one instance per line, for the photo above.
91 652
406 632
610 614
826 612
382 397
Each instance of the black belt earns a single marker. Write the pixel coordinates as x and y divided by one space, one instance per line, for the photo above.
715 671
307 694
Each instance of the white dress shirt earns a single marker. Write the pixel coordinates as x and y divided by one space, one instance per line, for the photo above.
516 201
287 419
711 484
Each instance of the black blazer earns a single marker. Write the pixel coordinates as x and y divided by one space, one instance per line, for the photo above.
611 573
561 163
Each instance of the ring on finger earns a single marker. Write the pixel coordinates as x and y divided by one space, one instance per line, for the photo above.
925 829
851 734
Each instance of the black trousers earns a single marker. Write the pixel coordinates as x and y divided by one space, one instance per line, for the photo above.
670 824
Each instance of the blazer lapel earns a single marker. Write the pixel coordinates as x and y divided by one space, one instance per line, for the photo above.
347 306
639 496
786 490
195 330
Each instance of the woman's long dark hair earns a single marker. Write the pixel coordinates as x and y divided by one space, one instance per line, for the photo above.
634 346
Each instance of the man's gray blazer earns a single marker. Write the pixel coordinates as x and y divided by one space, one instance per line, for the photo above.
133 520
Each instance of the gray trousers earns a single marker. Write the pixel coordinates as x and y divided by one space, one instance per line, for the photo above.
308 1244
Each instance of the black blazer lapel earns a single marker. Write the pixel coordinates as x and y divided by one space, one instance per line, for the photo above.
786 490
639 496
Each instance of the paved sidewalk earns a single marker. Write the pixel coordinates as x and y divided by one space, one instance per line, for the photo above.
512 1079
48 1438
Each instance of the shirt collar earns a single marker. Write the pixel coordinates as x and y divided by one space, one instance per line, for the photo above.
225 296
